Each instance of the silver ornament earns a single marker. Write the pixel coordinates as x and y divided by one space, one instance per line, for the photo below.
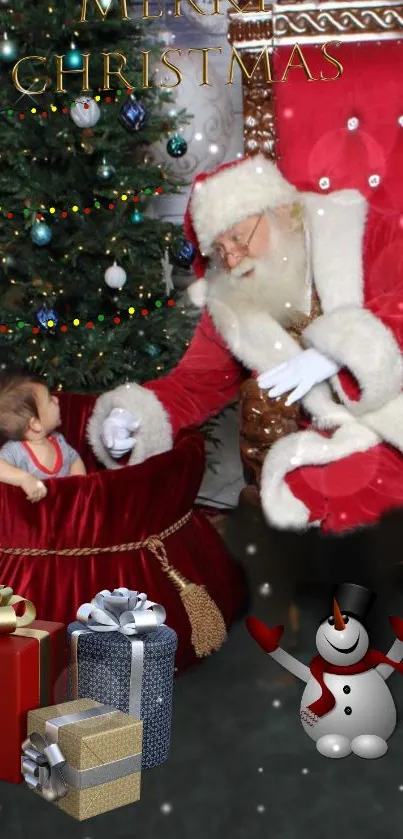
115 276
85 112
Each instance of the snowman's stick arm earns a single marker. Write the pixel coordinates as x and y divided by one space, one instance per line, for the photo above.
301 671
396 654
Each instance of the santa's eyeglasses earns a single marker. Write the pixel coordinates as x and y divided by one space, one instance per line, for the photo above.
241 246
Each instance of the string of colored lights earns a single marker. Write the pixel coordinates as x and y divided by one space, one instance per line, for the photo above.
11 110
101 320
98 205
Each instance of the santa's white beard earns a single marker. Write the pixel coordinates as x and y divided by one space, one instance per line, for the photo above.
277 283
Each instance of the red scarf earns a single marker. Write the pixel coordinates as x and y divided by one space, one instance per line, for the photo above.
319 666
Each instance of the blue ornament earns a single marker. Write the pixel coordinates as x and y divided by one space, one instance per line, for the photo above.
47 318
184 254
152 350
177 146
136 217
105 172
41 233
132 114
73 60
8 50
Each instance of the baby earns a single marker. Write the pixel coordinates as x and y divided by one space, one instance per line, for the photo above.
34 450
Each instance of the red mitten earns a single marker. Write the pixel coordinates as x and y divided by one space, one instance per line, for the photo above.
268 639
397 626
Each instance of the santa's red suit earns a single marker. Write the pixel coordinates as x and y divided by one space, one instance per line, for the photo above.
346 467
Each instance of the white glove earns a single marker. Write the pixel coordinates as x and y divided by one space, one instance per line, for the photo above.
302 372
116 432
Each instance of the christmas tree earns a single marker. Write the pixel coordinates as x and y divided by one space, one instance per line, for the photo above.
86 293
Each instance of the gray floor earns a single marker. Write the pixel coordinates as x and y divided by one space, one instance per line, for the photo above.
240 763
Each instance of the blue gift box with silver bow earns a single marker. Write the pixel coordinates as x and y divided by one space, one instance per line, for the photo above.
122 654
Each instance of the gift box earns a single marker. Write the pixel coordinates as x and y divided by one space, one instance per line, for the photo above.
83 756
122 655
33 656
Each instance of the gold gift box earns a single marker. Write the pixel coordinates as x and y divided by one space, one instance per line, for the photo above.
102 742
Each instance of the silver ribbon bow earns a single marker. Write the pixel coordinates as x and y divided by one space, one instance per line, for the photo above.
123 611
41 766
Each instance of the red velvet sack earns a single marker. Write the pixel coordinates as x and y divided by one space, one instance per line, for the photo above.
107 509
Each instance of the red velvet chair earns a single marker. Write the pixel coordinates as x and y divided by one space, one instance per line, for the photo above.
340 134
327 136
107 509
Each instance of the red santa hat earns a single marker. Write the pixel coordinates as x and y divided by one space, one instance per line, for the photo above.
225 196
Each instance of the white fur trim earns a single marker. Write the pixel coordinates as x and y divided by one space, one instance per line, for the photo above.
358 340
249 187
198 292
336 224
154 435
325 412
388 422
280 507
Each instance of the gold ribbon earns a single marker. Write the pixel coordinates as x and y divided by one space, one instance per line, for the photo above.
43 638
11 624
9 621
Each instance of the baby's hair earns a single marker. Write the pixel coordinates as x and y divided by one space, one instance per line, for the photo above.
18 403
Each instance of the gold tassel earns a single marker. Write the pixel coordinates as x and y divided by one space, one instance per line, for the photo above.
208 628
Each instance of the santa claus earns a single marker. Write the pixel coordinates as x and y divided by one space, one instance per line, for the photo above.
269 257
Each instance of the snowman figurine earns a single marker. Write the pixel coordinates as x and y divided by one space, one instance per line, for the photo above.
346 705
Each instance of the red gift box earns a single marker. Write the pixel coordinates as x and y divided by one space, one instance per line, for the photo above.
33 664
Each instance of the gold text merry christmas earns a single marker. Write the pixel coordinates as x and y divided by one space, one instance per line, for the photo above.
114 63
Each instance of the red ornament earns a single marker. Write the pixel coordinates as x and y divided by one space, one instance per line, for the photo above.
108 99
44 114
171 303
22 116
10 215
65 110
35 330
87 210
86 106
64 214
116 320
63 328
111 206
136 198
90 325
3 329
144 312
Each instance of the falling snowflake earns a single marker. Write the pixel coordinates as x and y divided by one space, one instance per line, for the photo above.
260 769
166 807
305 771
276 703
251 549
261 808
265 589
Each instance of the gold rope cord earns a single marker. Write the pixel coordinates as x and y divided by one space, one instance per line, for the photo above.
208 627
127 546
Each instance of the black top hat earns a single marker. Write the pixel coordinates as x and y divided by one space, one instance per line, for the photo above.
354 600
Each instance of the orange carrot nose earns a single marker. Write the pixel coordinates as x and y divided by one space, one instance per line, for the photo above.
338 618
